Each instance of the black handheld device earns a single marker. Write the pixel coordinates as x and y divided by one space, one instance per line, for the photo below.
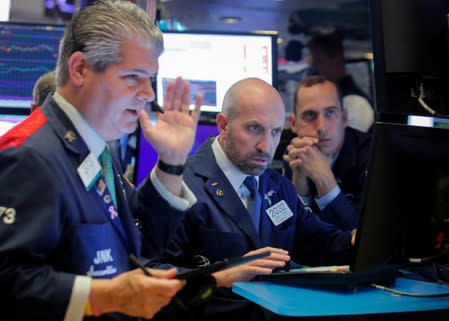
220 265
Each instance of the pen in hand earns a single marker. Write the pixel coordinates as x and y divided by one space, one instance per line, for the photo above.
139 265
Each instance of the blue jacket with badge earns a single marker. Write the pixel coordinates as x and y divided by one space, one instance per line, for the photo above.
52 228
218 226
349 170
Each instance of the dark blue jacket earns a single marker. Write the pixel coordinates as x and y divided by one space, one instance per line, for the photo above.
218 226
60 229
350 173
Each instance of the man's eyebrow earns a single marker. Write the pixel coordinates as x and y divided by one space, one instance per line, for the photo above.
309 111
139 71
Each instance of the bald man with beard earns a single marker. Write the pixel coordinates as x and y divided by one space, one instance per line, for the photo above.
220 226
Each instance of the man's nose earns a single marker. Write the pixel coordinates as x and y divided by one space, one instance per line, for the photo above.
320 125
265 143
146 92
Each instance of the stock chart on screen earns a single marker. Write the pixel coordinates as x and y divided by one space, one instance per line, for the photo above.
26 52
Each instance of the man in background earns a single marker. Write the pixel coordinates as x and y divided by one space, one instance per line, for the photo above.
328 159
244 207
45 85
326 58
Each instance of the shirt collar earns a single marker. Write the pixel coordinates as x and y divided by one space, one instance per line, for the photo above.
334 158
94 142
232 173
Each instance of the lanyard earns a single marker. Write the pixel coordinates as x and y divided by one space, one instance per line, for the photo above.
109 208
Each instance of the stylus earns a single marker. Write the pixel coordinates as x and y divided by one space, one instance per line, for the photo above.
139 265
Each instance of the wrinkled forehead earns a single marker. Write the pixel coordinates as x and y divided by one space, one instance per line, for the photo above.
266 115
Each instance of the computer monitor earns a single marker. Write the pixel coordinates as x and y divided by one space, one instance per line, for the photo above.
213 61
405 208
27 51
427 121
411 55
8 121
146 155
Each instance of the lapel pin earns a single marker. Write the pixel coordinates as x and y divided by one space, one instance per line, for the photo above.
101 186
107 198
70 136
268 195
214 183
113 213
219 192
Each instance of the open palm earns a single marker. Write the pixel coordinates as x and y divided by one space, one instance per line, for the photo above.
173 134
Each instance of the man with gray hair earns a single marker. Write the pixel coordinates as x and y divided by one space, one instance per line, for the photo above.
66 213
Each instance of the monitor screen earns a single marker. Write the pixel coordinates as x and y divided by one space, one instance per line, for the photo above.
8 121
26 52
411 55
405 209
428 121
146 155
212 62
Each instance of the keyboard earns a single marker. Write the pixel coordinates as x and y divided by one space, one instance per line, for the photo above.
339 278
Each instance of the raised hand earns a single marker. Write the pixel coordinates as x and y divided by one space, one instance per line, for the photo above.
173 134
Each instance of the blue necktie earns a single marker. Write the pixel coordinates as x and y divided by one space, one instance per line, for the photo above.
254 200
108 172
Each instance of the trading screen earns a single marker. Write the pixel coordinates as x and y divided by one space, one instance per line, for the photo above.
26 52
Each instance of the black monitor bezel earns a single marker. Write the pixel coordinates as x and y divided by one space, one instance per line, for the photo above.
383 228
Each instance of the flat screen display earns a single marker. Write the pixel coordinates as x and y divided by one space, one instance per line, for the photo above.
427 121
212 62
27 51
411 55
405 209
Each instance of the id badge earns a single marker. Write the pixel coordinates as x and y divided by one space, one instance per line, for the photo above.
89 171
279 212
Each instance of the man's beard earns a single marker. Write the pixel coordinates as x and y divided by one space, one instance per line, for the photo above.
247 168
243 164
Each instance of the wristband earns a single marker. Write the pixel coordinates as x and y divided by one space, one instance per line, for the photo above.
170 169
93 304
88 309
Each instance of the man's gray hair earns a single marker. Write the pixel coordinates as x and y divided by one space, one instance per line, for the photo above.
100 29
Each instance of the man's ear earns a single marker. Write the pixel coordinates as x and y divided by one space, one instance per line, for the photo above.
77 67
222 122
292 122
